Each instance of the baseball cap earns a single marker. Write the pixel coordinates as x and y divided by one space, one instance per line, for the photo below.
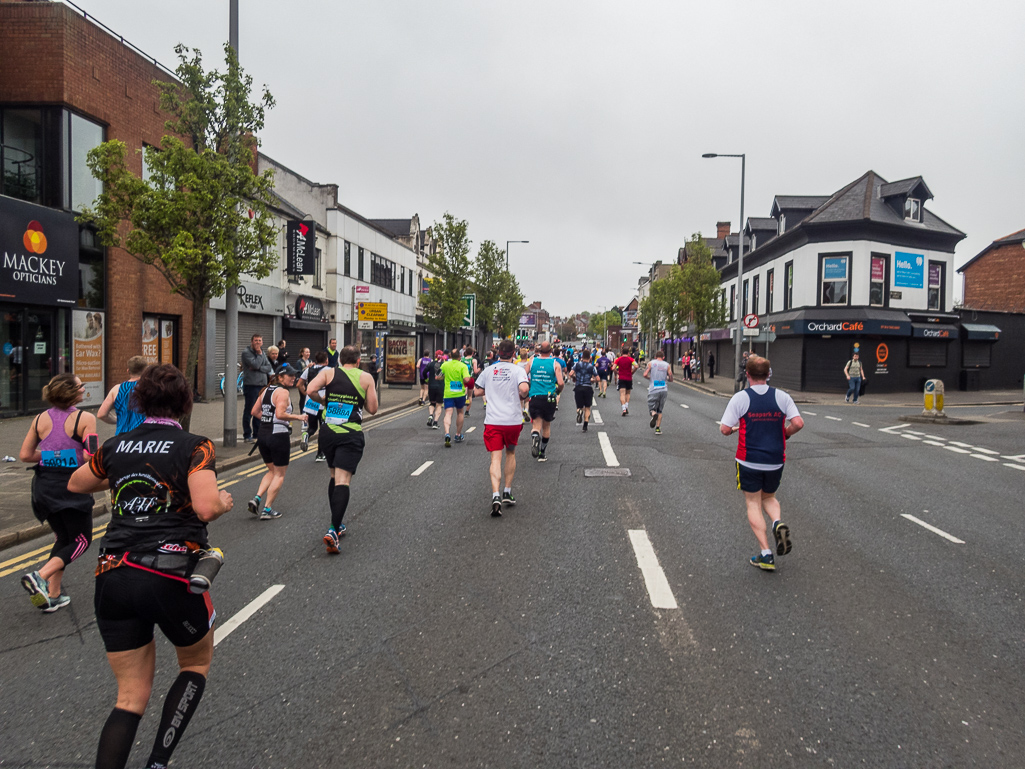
287 370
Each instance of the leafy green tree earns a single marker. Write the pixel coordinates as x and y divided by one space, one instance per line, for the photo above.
509 307
450 265
190 219
489 278
599 322
699 282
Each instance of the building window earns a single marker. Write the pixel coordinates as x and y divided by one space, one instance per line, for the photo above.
936 270
746 295
835 274
782 223
769 286
21 154
382 272
359 264
788 285
347 262
733 302
316 267
877 293
912 210
82 136
754 293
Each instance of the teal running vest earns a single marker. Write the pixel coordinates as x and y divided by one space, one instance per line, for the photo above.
542 376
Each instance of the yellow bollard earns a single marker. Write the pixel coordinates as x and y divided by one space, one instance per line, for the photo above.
933 398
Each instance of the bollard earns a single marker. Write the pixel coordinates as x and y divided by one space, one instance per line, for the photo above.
933 398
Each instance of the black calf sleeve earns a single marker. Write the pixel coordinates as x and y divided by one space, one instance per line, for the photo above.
116 739
180 703
73 530
339 501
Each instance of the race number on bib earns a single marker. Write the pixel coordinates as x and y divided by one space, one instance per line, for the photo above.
312 407
455 387
659 383
337 413
61 458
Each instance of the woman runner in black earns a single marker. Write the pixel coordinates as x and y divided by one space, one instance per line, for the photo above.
274 408
164 492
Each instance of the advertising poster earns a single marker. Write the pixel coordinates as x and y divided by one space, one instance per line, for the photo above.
87 353
151 340
878 268
910 270
834 268
167 341
400 360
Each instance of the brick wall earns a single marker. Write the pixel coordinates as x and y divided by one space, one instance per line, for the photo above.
996 282
50 55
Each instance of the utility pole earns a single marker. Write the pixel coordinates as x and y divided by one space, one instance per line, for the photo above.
230 438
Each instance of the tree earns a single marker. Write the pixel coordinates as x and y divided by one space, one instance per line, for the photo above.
509 308
489 277
190 219
699 281
443 303
598 323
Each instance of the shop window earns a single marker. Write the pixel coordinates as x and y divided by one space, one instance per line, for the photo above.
936 276
347 263
788 286
160 339
913 210
754 293
835 274
927 352
91 277
359 262
21 151
770 280
878 280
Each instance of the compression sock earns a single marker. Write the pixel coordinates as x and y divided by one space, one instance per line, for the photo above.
544 443
116 739
180 703
339 501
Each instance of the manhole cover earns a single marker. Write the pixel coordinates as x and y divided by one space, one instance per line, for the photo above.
607 472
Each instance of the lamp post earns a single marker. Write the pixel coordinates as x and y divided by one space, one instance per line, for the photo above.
507 251
230 436
739 341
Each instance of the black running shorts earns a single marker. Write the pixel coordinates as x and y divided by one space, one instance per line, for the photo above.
130 601
343 450
584 396
435 395
541 406
765 481
275 448
626 384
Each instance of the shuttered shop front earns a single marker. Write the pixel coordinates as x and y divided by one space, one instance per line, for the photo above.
248 324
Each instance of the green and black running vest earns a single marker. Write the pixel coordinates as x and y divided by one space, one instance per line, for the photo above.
343 411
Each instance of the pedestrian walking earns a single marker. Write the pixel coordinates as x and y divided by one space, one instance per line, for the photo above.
711 365
256 372
504 384
660 374
765 417
55 447
274 409
118 400
855 374
373 368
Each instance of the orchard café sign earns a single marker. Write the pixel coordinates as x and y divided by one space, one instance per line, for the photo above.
38 254
854 327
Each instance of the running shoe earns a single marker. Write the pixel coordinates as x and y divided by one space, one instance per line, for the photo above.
782 534
37 589
57 603
654 419
459 437
331 541
535 445
269 514
304 441
254 503
526 417
658 431
508 498
496 508
435 425
580 416
421 401
585 427
765 562
430 421
448 441
626 411
543 456
320 457
341 530
466 413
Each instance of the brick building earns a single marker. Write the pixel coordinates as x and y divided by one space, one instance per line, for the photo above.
994 279
66 85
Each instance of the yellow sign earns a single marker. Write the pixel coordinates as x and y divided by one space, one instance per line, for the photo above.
372 311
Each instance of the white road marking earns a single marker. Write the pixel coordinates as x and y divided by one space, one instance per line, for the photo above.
891 428
470 429
1015 458
915 433
933 529
986 451
860 424
223 631
597 417
422 467
1016 467
957 450
684 406
962 445
983 456
606 449
935 443
835 419
654 578
812 413
910 437
934 437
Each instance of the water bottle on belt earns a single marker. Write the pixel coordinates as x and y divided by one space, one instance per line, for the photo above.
205 570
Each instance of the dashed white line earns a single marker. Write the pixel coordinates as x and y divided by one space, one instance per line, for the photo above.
957 450
962 445
935 443
1016 467
422 467
684 406
223 631
835 419
934 437
983 456
659 592
860 424
910 437
597 417
1015 458
891 428
812 413
470 429
933 529
606 449
986 451
915 433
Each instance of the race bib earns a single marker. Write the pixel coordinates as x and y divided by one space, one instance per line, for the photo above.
61 458
659 383
311 407
337 413
455 387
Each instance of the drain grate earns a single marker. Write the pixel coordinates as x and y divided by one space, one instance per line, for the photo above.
607 472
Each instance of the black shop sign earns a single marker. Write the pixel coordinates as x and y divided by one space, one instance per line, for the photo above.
308 308
301 238
38 254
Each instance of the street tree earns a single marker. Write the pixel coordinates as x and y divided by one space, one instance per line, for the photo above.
509 308
490 281
200 217
598 323
699 282
451 268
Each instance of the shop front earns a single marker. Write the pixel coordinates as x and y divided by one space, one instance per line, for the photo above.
307 326
260 311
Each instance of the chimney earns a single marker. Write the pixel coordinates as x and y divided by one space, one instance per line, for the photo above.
722 229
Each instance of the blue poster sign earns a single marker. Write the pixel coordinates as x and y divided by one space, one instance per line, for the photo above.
909 270
834 268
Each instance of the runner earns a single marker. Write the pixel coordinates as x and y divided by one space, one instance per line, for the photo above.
625 367
311 408
456 375
765 417
504 384
347 390
125 417
565 374
523 360
545 383
435 390
584 376
604 366
659 373
474 368
274 408
421 366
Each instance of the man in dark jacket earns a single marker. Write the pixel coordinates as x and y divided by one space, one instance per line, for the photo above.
256 369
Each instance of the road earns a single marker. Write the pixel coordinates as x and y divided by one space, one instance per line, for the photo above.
443 637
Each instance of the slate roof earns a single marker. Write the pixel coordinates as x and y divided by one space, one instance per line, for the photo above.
762 223
905 187
397 228
803 202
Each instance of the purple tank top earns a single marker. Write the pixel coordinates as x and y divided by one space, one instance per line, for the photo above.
58 449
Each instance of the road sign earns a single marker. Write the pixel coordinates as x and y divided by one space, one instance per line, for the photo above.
372 311
362 291
750 332
470 313
365 325
750 321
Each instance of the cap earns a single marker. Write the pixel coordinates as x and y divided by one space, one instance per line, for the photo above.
287 370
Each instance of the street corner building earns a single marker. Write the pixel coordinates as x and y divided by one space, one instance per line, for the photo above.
67 84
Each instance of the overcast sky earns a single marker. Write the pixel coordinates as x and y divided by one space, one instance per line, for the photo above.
579 126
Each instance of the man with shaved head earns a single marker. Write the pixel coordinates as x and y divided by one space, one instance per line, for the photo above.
546 381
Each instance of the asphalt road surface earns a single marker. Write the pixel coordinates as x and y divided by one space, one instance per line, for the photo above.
602 622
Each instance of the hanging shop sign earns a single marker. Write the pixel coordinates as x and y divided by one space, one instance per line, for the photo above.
301 239
309 308
38 254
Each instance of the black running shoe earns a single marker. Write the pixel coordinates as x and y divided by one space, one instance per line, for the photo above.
543 456
764 562
580 416
496 508
430 421
508 498
585 427
654 419
535 445
782 534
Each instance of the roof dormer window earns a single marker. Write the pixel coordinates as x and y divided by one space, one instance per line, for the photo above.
912 210
782 223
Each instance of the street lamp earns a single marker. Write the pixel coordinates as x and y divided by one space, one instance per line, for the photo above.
739 342
507 251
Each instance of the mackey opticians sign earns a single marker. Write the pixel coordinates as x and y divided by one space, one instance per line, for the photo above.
38 254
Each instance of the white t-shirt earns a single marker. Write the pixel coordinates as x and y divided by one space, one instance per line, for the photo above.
311 406
740 403
501 384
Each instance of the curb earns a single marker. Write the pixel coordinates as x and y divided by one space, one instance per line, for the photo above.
15 536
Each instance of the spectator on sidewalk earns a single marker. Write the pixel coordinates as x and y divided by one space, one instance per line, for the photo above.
118 400
282 353
256 371
711 365
272 356
855 374
332 353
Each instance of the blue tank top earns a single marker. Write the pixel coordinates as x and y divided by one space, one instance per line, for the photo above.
542 376
127 417
762 437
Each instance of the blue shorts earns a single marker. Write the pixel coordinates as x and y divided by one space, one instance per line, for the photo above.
456 403
751 480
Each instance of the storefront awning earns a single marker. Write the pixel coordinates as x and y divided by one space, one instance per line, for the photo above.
308 325
981 332
933 331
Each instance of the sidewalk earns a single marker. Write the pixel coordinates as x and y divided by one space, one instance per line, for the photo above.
18 524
